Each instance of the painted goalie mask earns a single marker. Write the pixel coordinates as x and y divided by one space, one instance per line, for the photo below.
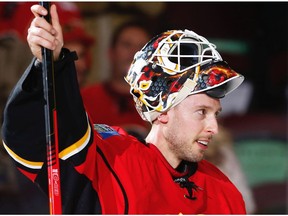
174 65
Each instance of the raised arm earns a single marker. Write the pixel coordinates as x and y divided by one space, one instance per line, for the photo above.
23 126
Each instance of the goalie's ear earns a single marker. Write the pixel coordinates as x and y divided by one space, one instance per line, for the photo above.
163 118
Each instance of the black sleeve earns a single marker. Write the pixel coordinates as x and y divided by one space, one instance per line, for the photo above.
23 128
24 133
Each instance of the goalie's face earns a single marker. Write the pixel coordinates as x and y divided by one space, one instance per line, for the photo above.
189 127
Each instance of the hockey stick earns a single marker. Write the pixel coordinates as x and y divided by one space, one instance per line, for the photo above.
51 129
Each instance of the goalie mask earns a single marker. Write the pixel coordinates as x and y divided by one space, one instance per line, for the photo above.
174 65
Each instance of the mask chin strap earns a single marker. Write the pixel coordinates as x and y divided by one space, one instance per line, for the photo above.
186 90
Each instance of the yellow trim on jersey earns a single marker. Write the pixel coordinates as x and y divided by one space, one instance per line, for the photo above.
76 147
24 162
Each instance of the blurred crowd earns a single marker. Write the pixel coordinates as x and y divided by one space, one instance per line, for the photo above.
119 33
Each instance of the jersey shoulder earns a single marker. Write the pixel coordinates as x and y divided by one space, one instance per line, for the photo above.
211 170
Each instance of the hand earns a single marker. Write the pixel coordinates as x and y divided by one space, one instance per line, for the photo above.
43 34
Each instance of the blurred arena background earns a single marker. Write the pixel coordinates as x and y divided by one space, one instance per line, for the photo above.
252 37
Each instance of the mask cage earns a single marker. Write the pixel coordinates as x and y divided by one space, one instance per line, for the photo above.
181 51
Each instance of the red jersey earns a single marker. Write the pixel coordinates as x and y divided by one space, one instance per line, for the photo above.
104 170
107 106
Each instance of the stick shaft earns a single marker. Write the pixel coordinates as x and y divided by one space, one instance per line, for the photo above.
51 128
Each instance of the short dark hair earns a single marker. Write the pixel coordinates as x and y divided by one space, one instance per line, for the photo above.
128 24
